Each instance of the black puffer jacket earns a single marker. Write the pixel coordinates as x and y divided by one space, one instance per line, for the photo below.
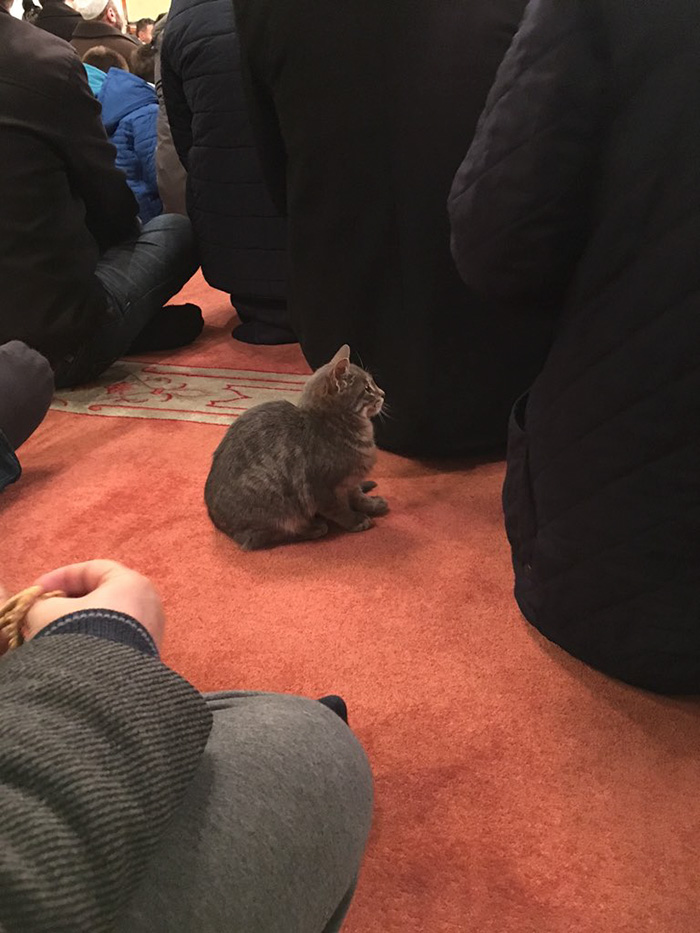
240 235
583 186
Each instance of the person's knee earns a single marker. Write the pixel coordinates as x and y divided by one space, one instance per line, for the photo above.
325 736
26 390
175 226
310 748
176 233
273 828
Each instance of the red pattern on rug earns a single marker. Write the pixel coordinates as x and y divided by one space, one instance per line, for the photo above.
132 389
517 790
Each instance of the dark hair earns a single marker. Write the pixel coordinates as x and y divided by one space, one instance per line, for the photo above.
99 56
143 63
142 23
31 11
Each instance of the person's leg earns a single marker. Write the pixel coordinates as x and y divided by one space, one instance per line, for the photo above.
26 388
271 834
263 320
139 276
10 470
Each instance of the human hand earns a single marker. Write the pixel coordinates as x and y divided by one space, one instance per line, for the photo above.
97 584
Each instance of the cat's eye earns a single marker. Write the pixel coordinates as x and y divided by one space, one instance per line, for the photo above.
368 390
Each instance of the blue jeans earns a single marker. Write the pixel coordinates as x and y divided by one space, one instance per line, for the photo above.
139 276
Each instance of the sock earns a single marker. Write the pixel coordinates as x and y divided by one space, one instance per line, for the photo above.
172 327
259 332
337 704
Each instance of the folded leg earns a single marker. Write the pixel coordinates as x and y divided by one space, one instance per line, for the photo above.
272 832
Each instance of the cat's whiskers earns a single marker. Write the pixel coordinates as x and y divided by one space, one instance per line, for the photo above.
385 413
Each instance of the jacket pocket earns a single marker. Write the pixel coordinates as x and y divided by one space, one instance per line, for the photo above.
518 501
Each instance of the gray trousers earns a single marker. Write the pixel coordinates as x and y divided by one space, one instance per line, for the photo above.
271 834
26 388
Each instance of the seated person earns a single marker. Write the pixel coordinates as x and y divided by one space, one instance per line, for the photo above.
101 24
26 388
233 811
580 199
130 115
80 281
97 62
144 30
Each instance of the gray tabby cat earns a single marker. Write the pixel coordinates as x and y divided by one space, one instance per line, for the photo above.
282 470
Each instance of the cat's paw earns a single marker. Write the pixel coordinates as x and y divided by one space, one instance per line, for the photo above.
376 505
363 524
317 530
368 485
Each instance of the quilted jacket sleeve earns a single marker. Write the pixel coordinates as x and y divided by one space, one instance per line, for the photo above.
261 106
518 204
144 130
177 108
98 743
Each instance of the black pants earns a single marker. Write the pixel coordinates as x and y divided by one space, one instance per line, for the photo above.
139 276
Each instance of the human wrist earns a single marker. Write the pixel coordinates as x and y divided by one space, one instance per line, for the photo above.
106 624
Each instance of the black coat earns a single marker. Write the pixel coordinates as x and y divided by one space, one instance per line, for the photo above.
62 201
58 18
240 234
583 186
363 110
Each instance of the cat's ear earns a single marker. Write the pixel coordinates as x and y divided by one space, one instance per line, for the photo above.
339 368
342 354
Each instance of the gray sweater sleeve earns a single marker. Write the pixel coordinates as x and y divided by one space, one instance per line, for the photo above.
98 743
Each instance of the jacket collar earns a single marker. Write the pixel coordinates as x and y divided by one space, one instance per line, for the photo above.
57 8
90 29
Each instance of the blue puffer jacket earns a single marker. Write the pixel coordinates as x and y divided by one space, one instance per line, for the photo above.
129 112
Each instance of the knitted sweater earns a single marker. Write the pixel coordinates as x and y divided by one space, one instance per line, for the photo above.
98 742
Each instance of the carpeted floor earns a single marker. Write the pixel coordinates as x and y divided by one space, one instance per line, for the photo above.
517 791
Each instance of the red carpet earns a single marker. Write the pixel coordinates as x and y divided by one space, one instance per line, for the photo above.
517 791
